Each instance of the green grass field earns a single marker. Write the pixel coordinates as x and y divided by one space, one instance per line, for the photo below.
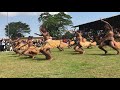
66 64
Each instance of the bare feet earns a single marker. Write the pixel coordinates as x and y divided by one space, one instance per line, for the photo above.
105 52
117 52
49 58
33 57
81 52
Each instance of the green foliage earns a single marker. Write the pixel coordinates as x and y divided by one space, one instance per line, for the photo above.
69 35
16 29
55 24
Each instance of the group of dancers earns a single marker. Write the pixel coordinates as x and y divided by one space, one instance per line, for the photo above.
28 49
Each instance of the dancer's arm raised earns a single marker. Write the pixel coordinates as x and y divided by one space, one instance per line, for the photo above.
111 28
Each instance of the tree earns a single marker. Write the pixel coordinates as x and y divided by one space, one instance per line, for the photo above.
16 29
69 35
55 24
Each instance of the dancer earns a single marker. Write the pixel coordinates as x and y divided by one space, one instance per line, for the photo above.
108 39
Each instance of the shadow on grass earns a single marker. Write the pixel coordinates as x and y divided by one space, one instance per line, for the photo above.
102 54
77 53
13 55
38 59
57 51
74 53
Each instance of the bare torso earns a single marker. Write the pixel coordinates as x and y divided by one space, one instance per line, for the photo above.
30 43
46 36
79 36
109 35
